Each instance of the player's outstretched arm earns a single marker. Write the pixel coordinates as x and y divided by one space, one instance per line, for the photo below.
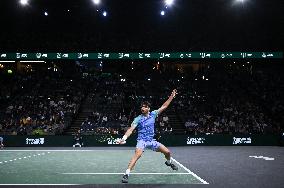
126 135
167 103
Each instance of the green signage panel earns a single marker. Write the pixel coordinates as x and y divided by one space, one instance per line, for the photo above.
142 55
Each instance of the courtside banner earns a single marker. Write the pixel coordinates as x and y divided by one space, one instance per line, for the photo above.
168 140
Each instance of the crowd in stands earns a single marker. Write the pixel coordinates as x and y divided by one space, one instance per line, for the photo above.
44 102
238 100
223 98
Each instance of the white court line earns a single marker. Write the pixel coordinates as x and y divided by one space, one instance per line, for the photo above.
40 184
113 173
186 169
54 150
21 158
262 157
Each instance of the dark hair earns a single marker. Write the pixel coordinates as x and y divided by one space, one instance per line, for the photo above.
146 103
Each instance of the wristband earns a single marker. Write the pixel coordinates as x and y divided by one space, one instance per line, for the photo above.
124 137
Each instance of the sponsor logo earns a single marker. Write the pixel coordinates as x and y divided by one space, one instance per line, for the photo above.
36 141
111 141
241 140
192 141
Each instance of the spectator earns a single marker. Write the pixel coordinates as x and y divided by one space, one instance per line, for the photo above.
165 119
1 142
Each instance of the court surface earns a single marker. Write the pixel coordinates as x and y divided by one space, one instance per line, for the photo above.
89 167
199 166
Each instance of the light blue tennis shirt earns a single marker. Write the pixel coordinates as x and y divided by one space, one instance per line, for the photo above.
145 126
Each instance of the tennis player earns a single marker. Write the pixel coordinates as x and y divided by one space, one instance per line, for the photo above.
145 127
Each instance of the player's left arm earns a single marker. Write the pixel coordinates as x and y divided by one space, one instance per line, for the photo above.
167 103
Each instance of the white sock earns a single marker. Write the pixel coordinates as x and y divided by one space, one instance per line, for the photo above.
127 172
169 161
